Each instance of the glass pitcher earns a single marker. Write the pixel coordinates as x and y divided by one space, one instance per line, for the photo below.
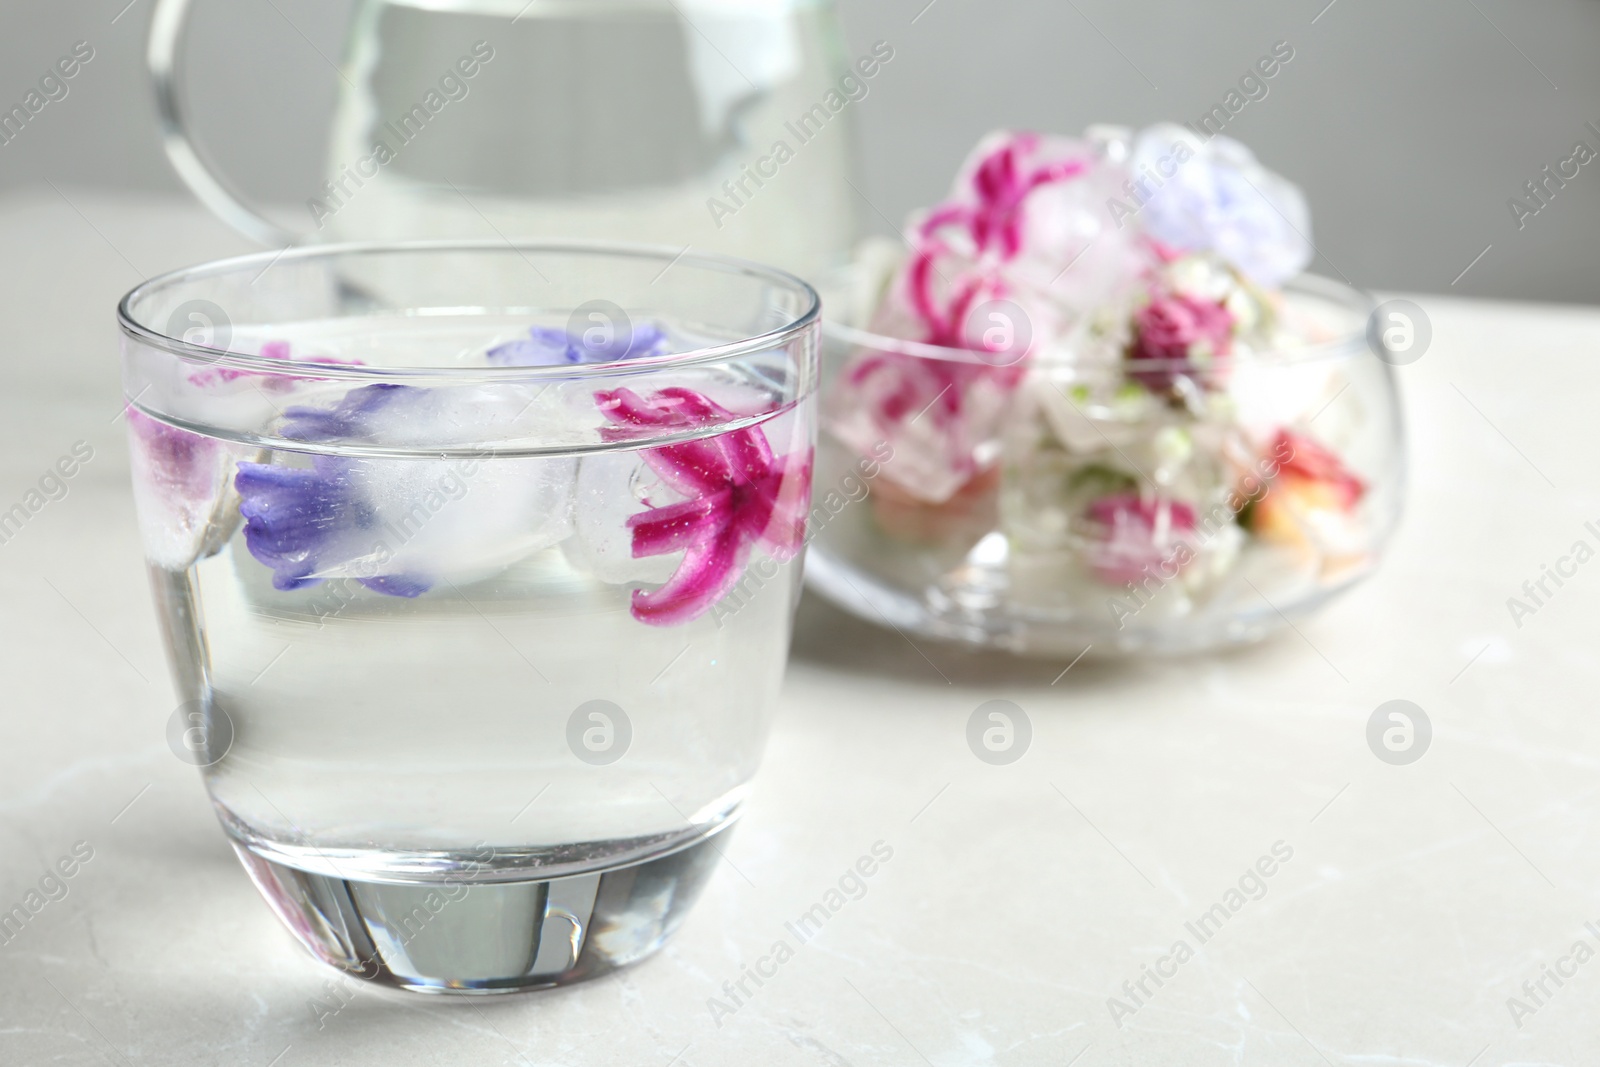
722 125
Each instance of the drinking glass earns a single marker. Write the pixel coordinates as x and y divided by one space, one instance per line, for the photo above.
476 565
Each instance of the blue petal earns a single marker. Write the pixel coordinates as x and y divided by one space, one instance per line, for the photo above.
397 585
648 340
292 514
350 417
544 347
549 347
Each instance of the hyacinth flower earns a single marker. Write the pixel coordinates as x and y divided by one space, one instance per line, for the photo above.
991 200
734 494
547 346
1026 221
938 412
1134 537
1214 196
1180 336
1310 501
182 479
397 526
975 246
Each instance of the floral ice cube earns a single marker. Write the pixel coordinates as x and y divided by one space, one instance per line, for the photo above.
1026 222
1213 195
1134 536
1179 335
612 488
180 488
941 417
1311 503
547 346
728 493
1007 268
397 526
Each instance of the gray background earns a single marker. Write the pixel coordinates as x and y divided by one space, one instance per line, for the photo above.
1408 122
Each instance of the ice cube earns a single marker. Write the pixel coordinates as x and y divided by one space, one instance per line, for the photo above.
182 489
940 417
612 487
403 525
1220 198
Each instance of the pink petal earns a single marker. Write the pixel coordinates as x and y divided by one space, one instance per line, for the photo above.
692 468
920 282
673 406
755 502
708 571
629 408
749 454
696 408
785 530
943 216
667 529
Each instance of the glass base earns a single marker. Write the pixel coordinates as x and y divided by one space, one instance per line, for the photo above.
986 619
487 937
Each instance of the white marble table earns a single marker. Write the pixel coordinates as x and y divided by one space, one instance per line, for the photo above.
1018 899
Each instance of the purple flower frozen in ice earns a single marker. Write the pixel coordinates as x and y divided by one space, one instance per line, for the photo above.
546 346
396 526
353 416
297 519
1214 196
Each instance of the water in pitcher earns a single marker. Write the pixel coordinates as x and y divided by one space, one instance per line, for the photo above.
716 124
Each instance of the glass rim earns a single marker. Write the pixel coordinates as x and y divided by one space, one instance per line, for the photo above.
670 257
1351 298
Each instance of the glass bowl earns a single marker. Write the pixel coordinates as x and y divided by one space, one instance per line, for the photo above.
1046 508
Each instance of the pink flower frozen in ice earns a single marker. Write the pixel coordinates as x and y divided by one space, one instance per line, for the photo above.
1005 266
279 350
956 291
1312 497
178 479
177 464
991 201
936 413
965 246
737 494
1178 334
1302 459
1134 537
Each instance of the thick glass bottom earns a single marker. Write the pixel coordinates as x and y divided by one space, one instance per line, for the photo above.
462 934
982 617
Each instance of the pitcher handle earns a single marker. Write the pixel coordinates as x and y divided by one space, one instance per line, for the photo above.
163 57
